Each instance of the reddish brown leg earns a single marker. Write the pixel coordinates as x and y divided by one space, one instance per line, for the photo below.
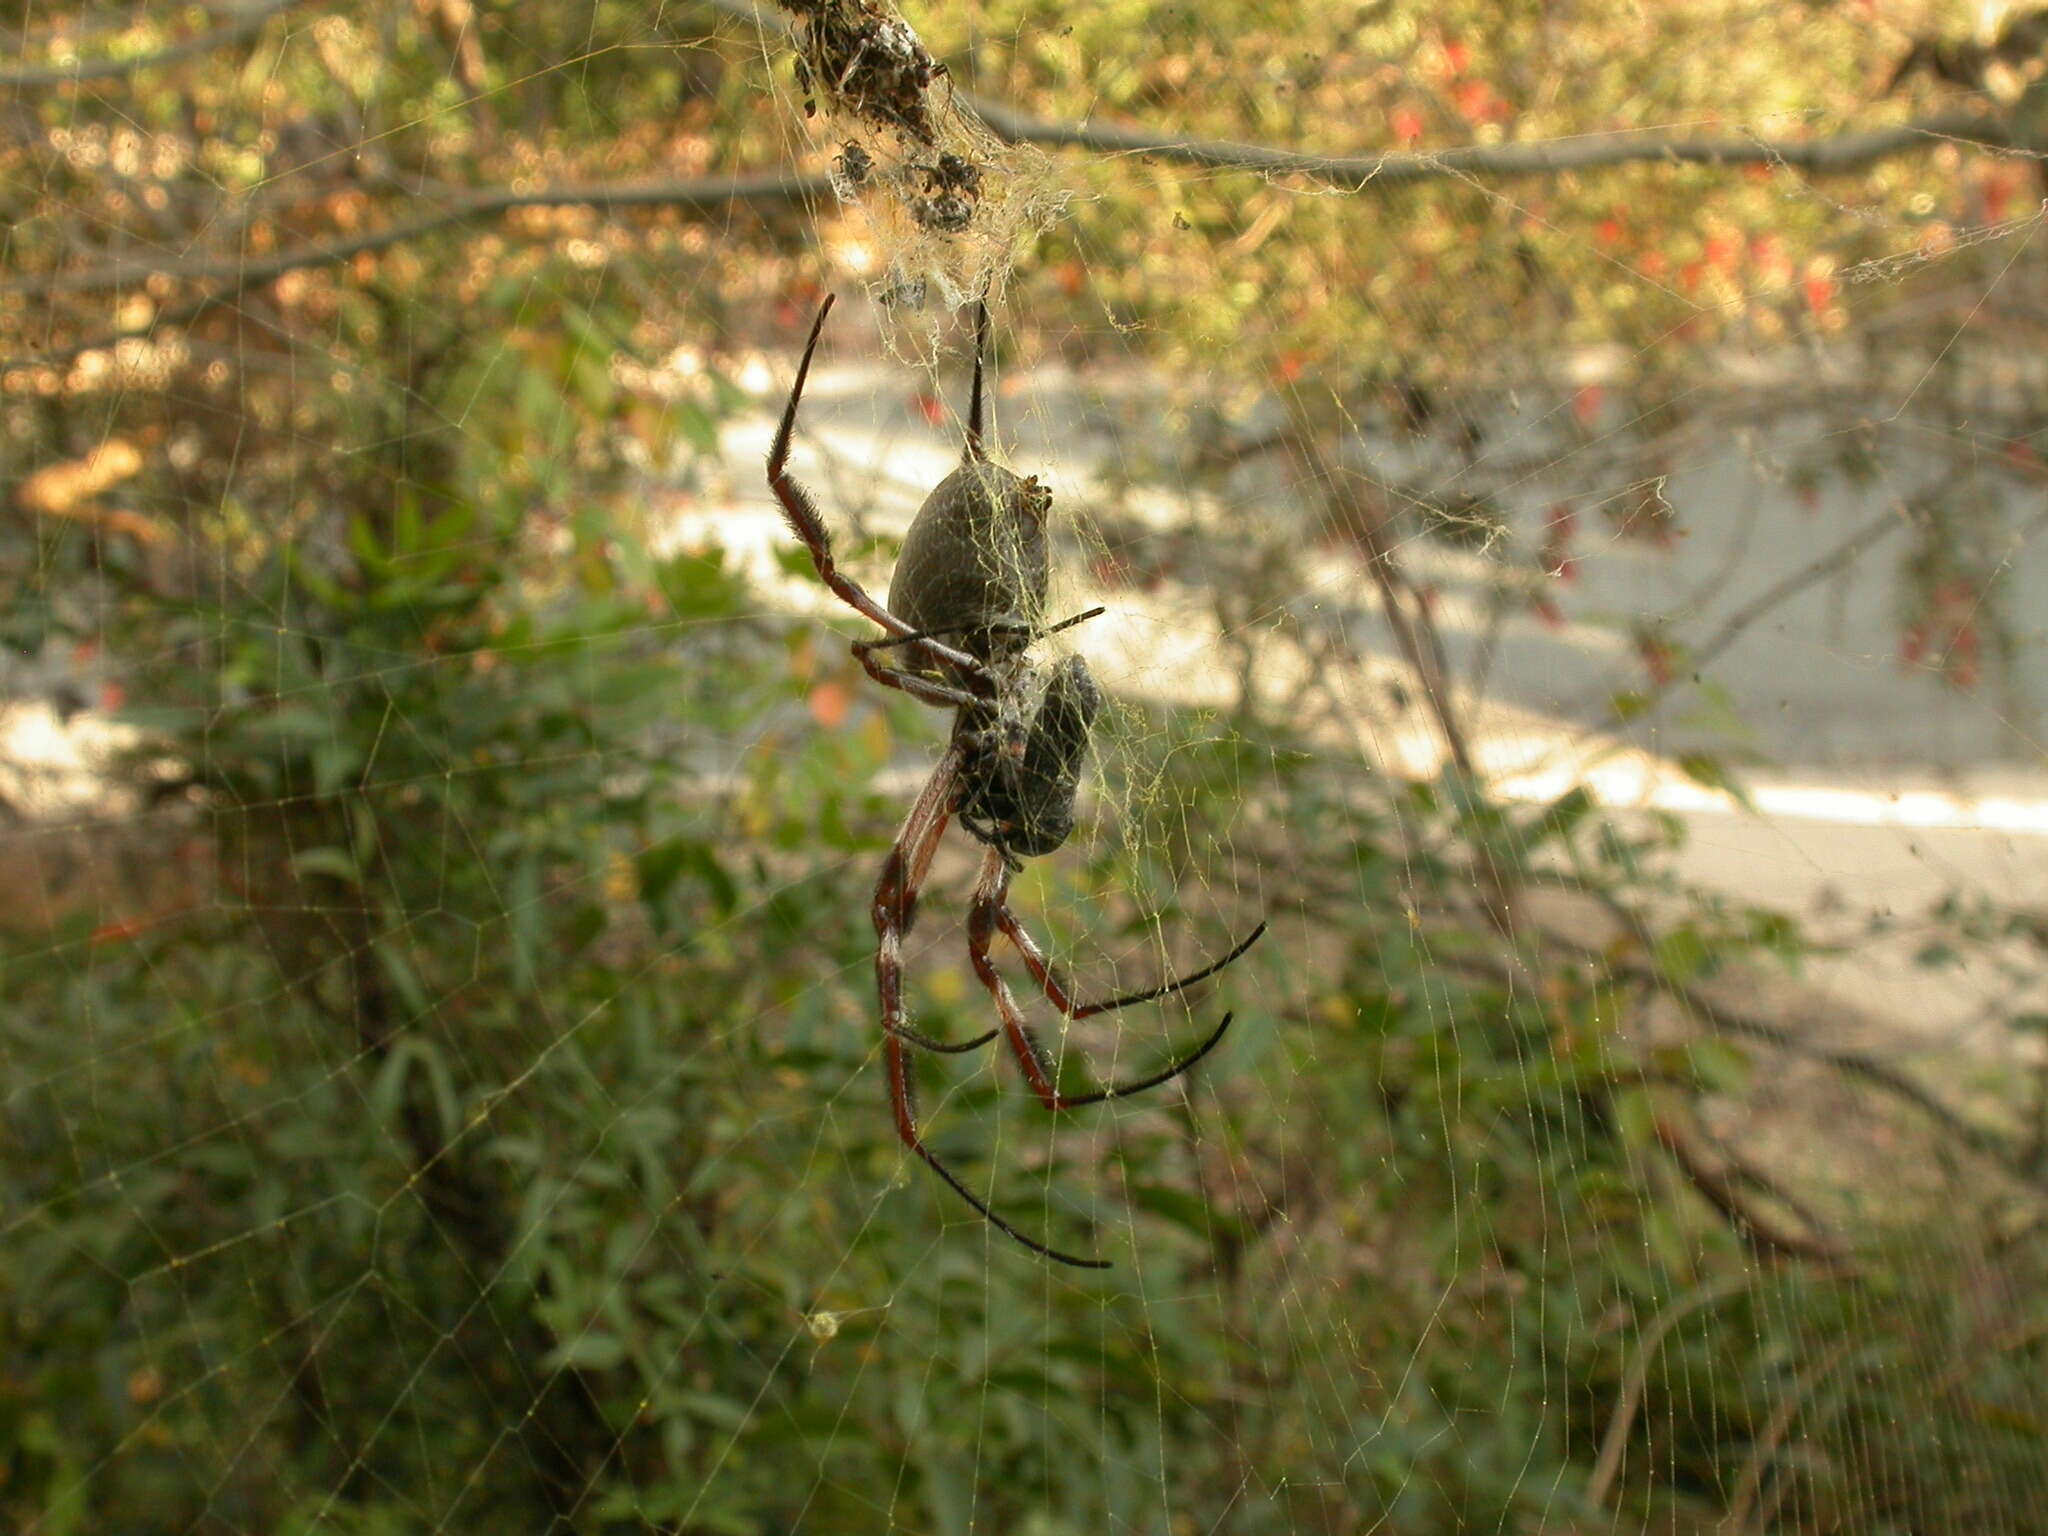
990 912
804 520
1057 993
903 877
930 690
894 909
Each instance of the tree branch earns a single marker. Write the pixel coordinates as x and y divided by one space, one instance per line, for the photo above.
1729 1017
1350 173
1355 173
1773 1435
1613 1444
1721 1187
704 194
44 76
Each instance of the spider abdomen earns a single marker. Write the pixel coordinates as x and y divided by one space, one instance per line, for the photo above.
1021 800
975 561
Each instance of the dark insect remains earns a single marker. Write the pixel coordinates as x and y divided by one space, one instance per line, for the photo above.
966 605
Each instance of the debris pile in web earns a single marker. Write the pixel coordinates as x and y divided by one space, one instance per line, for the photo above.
947 200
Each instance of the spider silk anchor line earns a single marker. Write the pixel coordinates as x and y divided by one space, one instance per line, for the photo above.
964 610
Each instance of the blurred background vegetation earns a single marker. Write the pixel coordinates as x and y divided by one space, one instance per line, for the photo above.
441 1084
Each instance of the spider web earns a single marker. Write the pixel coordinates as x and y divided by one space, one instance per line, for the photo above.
1587 613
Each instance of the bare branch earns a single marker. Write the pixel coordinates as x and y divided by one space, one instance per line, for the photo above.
1550 157
1727 1016
1357 173
1773 1435
705 194
1721 1187
44 76
1613 1444
1698 658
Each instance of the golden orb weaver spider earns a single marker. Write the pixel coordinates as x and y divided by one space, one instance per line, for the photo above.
964 609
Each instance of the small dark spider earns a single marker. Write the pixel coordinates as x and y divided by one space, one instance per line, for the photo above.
950 173
854 164
948 213
965 606
954 187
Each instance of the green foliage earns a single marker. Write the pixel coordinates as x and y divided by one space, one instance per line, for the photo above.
500 1138
506 1138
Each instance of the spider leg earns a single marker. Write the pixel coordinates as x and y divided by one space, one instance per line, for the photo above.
1057 993
974 400
930 690
805 521
933 692
903 877
903 1096
1029 634
991 911
895 905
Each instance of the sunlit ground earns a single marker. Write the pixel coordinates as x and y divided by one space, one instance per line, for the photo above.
1860 837
1856 838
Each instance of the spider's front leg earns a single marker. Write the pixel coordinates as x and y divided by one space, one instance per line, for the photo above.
805 521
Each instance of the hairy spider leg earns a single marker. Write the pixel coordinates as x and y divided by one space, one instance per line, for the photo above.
1056 990
895 907
801 513
1032 636
903 876
991 911
974 396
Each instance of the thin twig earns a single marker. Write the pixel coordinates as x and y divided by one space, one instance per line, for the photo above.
1728 1018
1607 1467
1767 1235
1855 1064
1846 553
701 194
43 76
1396 593
1417 637
1773 1436
1496 162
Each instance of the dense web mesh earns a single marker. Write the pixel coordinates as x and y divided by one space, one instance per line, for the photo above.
1565 493
948 205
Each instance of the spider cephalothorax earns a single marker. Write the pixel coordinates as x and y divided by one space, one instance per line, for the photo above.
965 607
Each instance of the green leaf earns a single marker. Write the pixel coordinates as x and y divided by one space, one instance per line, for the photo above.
1722 1066
1706 769
335 863
1556 820
588 1351
1681 955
